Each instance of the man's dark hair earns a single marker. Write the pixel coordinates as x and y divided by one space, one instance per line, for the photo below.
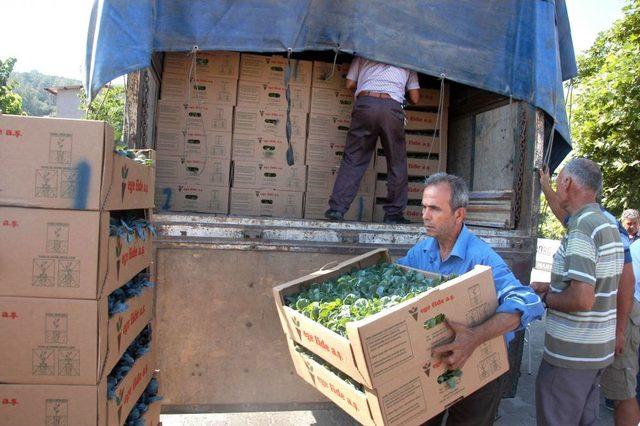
459 189
585 172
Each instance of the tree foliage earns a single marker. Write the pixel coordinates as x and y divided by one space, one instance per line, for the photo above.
107 106
36 101
10 102
606 116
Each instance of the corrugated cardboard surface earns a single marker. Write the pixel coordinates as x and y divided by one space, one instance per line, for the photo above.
269 174
324 153
331 101
203 171
175 143
272 68
320 179
192 197
195 117
261 147
207 64
250 121
419 120
415 189
210 91
364 355
421 144
65 254
431 98
415 166
262 95
413 213
66 341
266 202
68 164
361 208
329 76
329 127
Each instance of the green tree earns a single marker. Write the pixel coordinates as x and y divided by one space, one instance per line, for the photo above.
36 101
107 106
606 115
10 103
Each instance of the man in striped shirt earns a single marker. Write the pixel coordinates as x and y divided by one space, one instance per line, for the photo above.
377 113
581 301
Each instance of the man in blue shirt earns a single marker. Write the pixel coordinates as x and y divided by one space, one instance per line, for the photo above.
451 248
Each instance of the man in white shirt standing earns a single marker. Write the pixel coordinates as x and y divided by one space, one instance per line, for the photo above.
378 112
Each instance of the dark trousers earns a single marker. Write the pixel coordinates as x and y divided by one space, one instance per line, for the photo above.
372 118
478 409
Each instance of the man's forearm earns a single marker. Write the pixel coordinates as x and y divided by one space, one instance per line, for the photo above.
499 324
624 299
554 203
578 297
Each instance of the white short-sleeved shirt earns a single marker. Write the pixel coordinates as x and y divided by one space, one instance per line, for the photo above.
378 77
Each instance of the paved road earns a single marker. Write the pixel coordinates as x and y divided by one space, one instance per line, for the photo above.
518 411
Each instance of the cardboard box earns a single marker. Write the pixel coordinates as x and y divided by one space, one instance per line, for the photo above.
68 164
415 166
203 171
208 64
329 127
210 91
320 180
195 117
54 404
421 144
332 101
263 68
266 202
266 147
65 254
192 197
411 212
394 346
67 341
152 416
328 76
419 120
431 98
272 95
361 209
194 144
269 174
324 153
249 121
415 189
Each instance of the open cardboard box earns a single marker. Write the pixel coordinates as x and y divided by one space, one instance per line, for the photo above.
66 341
56 404
392 349
69 164
65 254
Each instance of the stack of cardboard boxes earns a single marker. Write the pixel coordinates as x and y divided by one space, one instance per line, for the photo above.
60 185
263 183
426 141
329 121
382 371
194 128
222 138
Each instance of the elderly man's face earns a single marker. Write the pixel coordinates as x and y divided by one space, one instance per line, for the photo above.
630 225
438 217
561 189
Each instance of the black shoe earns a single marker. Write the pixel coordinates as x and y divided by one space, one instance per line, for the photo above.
396 220
334 215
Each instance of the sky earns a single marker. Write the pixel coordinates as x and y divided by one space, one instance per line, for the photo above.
50 35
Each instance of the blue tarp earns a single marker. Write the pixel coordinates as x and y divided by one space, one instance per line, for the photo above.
517 48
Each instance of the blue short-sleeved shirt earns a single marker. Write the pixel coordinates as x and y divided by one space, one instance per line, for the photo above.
634 248
467 252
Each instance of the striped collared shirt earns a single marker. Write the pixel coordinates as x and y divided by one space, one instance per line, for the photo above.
591 252
384 78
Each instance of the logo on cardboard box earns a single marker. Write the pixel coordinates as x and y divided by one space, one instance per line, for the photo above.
414 313
124 173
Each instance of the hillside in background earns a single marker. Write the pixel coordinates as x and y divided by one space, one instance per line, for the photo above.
35 100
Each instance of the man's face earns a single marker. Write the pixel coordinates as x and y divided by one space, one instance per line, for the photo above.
439 220
630 225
